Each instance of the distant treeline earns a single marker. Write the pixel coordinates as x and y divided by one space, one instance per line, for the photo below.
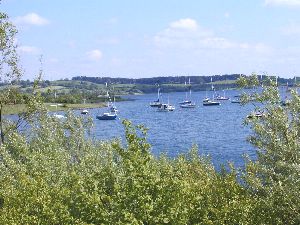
158 80
198 80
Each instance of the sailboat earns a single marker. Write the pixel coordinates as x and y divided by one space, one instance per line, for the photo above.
188 103
113 107
206 99
166 107
110 115
211 102
156 103
219 97
84 111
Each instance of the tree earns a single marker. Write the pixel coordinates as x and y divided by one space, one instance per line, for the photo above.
274 177
9 59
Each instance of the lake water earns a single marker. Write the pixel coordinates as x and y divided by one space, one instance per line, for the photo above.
216 130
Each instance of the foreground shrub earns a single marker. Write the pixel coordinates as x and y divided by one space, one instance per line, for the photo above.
58 176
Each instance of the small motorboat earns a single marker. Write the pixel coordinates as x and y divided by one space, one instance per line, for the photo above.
84 112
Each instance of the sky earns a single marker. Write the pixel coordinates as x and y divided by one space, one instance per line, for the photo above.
139 38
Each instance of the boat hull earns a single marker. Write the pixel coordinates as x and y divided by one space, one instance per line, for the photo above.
155 104
84 112
222 98
106 117
165 108
188 106
211 103
185 102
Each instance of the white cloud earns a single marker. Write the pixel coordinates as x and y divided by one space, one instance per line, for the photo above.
282 2
94 55
31 19
29 50
186 33
186 24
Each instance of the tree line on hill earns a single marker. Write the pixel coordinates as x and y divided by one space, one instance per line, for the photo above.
195 80
158 80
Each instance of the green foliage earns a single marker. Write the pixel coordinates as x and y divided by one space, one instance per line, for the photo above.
57 176
9 67
274 178
54 173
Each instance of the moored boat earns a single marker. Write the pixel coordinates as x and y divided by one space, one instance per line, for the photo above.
185 102
222 98
256 115
211 103
189 105
107 116
156 103
165 108
84 112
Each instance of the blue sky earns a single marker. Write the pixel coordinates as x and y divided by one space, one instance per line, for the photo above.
138 38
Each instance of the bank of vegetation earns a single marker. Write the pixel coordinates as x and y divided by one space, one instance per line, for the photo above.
51 172
56 175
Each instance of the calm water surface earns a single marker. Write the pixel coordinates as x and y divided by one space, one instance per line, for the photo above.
216 130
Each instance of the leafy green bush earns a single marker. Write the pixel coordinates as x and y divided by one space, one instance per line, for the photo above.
57 176
274 178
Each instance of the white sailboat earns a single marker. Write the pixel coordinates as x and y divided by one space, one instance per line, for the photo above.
166 107
219 97
206 99
110 115
156 103
188 102
211 102
84 111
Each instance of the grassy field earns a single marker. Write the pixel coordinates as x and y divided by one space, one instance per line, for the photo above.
224 82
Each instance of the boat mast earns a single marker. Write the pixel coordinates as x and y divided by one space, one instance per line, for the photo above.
158 93
190 89
212 88
185 91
